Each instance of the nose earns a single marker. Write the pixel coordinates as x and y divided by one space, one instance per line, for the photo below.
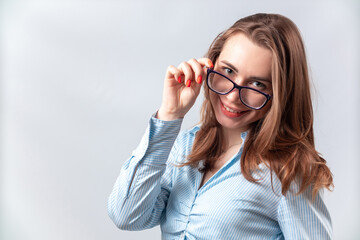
234 96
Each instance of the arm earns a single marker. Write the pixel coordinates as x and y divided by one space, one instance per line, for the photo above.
301 218
140 193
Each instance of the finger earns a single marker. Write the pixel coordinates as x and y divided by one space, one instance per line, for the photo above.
197 69
173 72
188 73
206 62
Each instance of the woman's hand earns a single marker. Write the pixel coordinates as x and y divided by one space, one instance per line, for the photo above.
181 87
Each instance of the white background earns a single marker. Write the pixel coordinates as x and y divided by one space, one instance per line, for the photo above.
80 79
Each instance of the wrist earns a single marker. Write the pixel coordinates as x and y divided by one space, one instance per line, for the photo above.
167 116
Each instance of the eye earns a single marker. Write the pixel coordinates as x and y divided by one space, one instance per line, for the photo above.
227 71
258 85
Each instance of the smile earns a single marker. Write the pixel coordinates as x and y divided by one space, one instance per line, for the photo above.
230 110
231 113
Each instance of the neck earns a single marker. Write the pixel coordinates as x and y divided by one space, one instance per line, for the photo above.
232 137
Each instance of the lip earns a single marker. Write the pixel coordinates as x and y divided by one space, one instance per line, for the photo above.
239 113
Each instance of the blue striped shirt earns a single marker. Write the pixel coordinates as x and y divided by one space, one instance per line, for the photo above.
152 190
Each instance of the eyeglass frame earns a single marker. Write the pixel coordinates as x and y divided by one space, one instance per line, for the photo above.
268 96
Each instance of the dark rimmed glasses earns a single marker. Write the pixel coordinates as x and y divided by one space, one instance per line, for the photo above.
223 85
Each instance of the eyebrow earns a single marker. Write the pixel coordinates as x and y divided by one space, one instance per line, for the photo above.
230 65
252 77
260 79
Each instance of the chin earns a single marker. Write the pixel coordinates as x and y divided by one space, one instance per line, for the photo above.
233 124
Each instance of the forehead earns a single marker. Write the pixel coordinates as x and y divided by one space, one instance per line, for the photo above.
248 57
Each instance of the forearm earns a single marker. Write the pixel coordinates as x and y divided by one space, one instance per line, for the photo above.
139 194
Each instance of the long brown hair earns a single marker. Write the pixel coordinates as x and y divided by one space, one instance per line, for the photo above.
284 138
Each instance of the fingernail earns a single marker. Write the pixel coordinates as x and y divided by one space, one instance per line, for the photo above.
188 83
211 65
199 79
179 79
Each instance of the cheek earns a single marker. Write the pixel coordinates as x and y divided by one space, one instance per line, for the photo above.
213 98
262 112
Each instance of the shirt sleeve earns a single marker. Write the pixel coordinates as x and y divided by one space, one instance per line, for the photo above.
140 193
300 217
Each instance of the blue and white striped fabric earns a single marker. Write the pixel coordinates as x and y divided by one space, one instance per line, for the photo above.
152 190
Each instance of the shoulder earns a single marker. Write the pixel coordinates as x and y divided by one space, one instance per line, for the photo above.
183 144
300 215
186 137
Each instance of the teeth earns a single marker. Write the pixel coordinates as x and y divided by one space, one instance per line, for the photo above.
230 110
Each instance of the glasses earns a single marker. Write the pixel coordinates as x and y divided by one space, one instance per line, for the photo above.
223 85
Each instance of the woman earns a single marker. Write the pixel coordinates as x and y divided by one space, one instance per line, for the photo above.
250 169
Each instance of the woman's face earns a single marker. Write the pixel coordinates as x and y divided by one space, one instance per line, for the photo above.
246 64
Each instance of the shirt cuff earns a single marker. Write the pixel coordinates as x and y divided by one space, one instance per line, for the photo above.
158 139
